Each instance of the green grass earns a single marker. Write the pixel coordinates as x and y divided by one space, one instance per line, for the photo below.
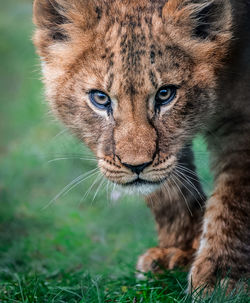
79 248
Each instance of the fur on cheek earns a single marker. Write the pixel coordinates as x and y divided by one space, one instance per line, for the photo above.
204 76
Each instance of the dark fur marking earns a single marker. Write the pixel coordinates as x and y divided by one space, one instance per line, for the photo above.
98 11
153 79
110 81
152 57
56 15
160 54
59 36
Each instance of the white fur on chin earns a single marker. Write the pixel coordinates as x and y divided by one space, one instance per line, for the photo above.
143 189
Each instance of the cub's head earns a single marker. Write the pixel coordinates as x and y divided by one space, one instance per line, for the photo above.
135 80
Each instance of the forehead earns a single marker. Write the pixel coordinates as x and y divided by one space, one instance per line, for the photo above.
136 53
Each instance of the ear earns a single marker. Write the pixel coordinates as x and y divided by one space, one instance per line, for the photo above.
50 15
63 21
205 19
55 16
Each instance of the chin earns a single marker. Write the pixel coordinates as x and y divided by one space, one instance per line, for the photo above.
141 187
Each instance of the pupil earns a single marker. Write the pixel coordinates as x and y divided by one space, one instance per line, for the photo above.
164 93
102 97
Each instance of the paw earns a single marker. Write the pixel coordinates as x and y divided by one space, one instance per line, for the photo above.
208 274
202 275
156 260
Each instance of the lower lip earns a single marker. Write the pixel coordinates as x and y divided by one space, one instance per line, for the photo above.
139 181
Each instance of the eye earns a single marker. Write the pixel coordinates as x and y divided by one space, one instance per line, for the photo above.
165 95
100 99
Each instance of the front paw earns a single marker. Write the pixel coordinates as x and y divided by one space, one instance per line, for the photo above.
202 275
208 274
156 260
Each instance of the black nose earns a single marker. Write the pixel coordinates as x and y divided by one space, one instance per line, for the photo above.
137 168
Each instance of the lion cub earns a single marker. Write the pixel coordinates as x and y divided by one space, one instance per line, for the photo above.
136 81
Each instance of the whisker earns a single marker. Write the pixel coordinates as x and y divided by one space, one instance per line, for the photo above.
190 171
190 182
167 188
91 175
98 188
173 178
187 169
114 186
75 154
184 179
195 175
107 190
92 185
174 187
70 158
59 134
72 185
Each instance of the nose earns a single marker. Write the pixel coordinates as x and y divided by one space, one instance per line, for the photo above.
137 168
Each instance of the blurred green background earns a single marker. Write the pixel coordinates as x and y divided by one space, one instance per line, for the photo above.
81 247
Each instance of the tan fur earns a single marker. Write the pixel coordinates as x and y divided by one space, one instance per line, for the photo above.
129 49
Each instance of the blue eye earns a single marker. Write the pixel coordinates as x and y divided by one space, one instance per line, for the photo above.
100 99
165 95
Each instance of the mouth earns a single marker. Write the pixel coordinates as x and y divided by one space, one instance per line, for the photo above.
141 186
140 182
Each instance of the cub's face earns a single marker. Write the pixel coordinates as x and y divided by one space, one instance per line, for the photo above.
135 80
